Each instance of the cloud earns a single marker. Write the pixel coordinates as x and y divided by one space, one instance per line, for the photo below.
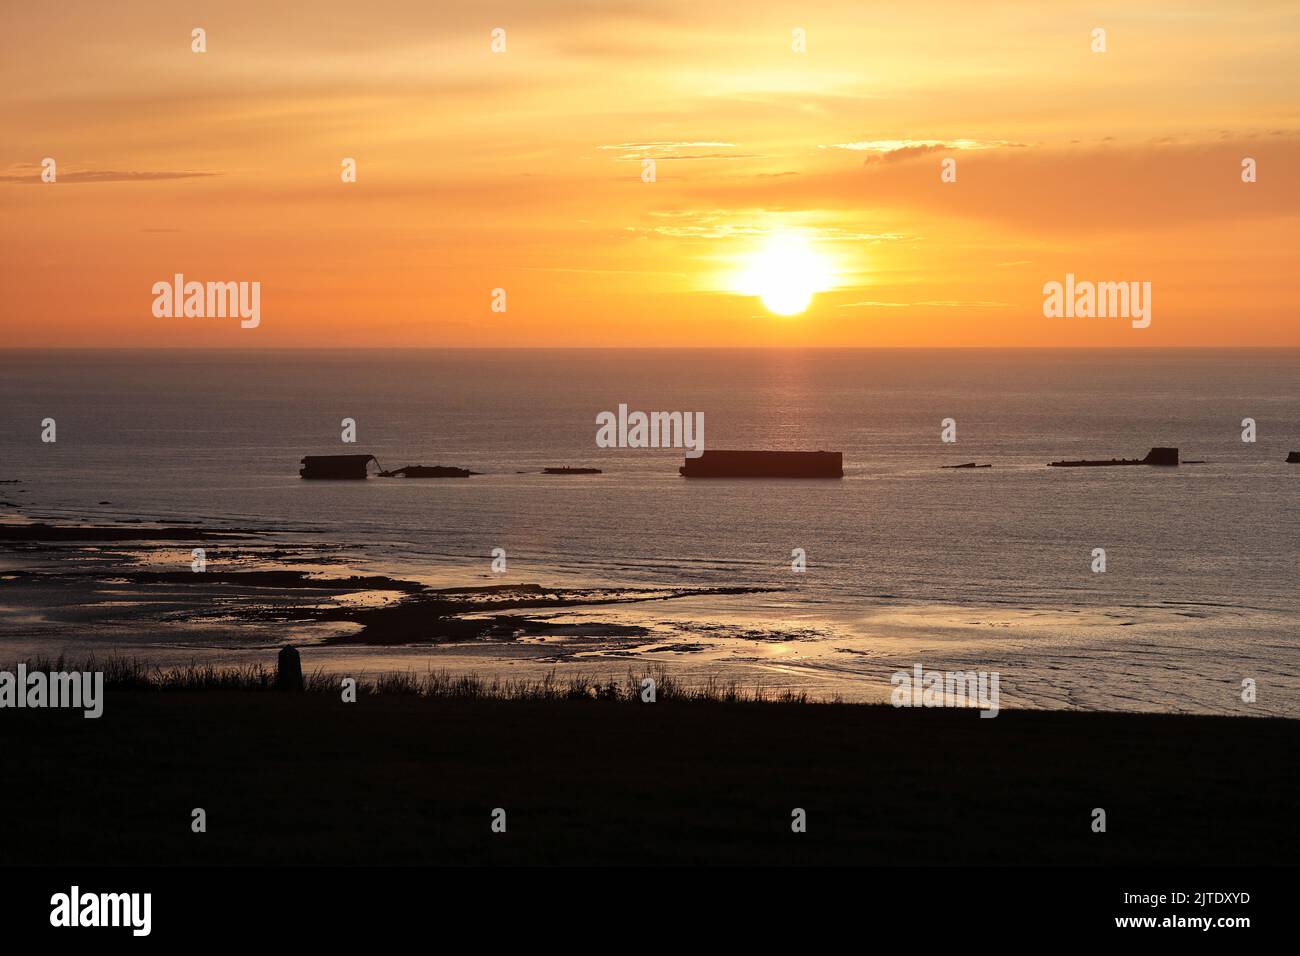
934 304
665 145
101 176
1061 192
754 223
672 150
891 145
892 150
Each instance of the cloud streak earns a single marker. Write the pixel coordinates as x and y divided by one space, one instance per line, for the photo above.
102 176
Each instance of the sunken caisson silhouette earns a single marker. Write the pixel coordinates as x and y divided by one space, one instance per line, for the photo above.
337 467
1156 456
357 468
427 471
765 464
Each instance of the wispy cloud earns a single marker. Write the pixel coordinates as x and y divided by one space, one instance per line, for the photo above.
99 176
887 150
665 145
752 223
676 150
932 303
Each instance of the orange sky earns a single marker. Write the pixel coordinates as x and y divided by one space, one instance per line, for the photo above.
522 170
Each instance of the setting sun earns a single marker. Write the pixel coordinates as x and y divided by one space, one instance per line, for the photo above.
785 274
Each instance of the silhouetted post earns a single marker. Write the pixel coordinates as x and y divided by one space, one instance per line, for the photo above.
288 675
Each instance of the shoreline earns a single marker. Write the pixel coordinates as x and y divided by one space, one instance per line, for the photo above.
128 589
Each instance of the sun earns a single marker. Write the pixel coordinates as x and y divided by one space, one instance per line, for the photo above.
785 274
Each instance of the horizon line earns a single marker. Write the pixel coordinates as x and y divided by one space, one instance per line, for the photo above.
649 348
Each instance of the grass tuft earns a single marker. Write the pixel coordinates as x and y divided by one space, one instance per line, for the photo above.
121 673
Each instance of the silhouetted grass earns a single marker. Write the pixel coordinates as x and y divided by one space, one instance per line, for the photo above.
121 673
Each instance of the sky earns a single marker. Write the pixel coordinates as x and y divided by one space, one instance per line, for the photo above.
523 170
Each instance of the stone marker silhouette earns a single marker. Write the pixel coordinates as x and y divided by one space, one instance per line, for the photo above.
288 674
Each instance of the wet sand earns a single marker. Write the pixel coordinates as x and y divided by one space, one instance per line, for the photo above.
254 583
82 590
127 589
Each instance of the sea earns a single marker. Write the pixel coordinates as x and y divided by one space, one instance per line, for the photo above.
905 562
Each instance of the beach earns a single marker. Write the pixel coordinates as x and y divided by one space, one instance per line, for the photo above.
86 590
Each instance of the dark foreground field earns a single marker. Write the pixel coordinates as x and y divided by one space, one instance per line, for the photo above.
305 778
